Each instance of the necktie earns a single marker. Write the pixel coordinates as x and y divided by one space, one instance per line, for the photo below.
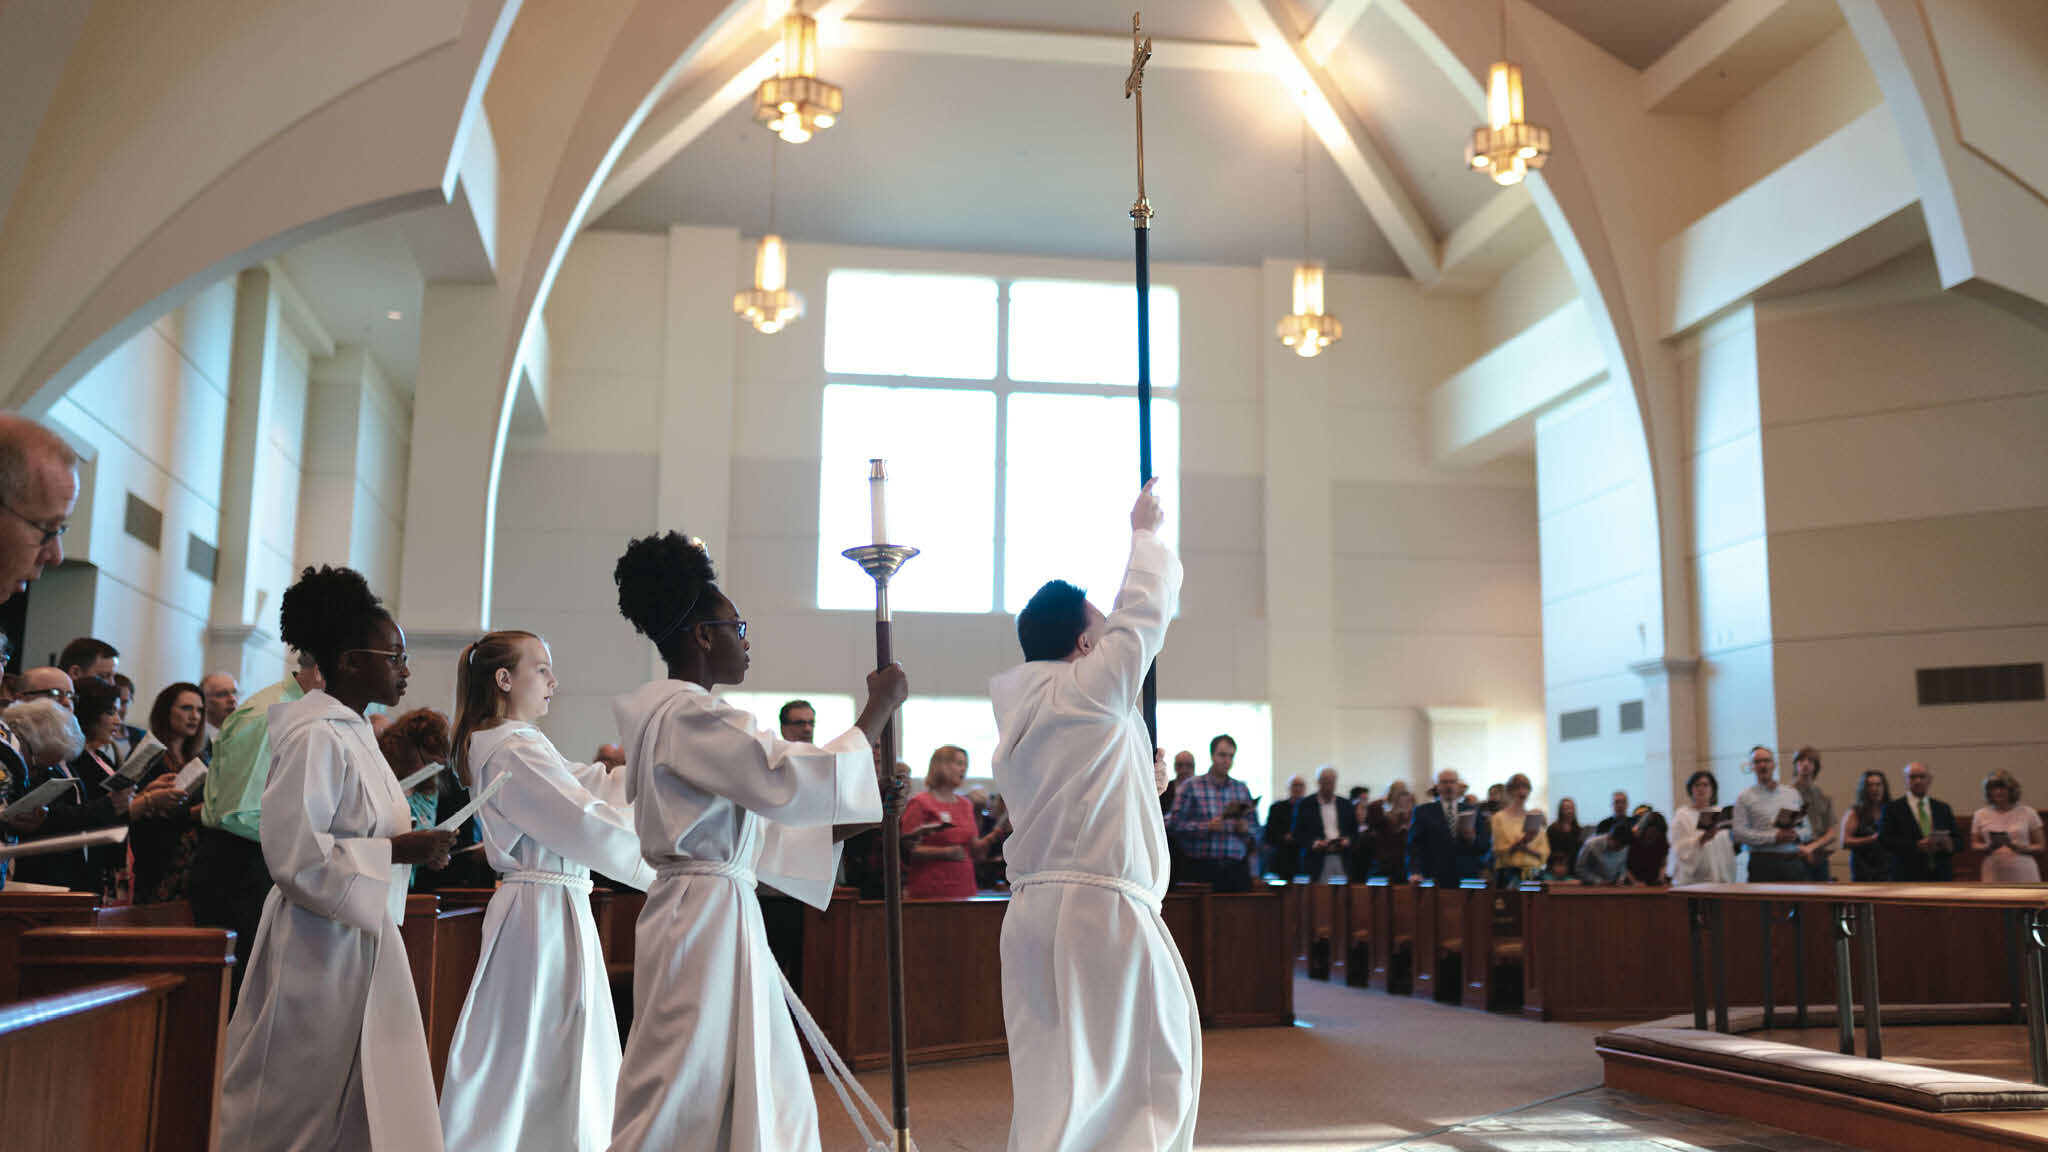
1926 825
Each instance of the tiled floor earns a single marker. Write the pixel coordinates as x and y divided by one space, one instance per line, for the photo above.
1604 1120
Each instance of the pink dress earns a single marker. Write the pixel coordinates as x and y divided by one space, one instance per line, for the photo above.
2022 825
940 879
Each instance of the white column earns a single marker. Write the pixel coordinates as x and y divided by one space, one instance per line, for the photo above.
242 635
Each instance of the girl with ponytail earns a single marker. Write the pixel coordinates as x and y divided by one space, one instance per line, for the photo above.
535 1057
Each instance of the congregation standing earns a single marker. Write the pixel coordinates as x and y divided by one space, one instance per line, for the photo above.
302 815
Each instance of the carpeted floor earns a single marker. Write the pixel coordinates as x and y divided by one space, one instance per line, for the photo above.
1360 1069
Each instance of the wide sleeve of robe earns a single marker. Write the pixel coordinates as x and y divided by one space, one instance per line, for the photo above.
1114 672
348 879
800 862
715 748
547 798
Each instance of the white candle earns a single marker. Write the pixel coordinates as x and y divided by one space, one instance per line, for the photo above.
878 500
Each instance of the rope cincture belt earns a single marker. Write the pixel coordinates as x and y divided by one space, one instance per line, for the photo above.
579 884
1138 892
852 1096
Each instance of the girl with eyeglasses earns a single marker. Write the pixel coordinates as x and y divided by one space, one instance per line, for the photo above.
328 1020
712 1060
535 1058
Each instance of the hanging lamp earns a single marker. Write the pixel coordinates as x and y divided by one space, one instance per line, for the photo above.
769 305
1308 329
1507 146
794 103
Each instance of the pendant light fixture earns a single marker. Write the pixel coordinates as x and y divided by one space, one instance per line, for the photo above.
1507 146
1308 329
794 103
769 305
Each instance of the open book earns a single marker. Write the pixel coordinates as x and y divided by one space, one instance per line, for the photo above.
41 794
1468 823
147 751
1713 818
1998 840
1789 817
54 844
1534 823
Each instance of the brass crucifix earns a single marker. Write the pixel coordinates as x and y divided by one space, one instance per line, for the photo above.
1134 86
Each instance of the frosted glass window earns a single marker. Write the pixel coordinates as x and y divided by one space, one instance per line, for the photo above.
835 710
1189 725
908 324
1071 475
940 444
926 722
1073 332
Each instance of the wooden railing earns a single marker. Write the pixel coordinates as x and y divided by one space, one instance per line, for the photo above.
79 1069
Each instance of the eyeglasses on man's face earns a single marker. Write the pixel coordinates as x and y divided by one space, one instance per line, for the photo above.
64 694
49 533
397 658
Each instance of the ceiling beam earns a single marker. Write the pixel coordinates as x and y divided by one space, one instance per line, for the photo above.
683 115
1364 167
1332 25
1744 43
1039 45
1505 229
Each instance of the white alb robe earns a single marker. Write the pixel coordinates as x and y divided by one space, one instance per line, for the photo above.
1693 862
326 1050
1105 1039
535 1058
713 1062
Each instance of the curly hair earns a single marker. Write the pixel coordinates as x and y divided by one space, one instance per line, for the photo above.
665 582
425 731
327 611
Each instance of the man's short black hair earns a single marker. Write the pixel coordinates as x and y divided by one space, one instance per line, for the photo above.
85 652
1220 739
1051 624
782 717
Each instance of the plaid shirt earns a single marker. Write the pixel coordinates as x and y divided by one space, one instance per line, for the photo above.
1200 800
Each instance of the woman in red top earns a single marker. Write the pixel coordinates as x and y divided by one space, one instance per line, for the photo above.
941 865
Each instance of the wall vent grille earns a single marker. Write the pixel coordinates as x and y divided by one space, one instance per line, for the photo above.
1980 684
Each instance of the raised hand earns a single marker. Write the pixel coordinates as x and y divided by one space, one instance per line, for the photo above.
1148 514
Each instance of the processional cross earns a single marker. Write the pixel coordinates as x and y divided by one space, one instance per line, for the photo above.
1141 221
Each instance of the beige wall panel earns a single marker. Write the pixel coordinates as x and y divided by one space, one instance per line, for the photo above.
1861 691
604 316
1221 513
1487 671
591 413
1959 458
1583 450
1434 596
1738 701
1222 438
1732 589
775 497
1597 542
1728 494
1452 523
1594 634
1799 107
584 491
1982 571
1718 382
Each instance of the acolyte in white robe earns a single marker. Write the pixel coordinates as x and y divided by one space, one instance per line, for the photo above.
535 1058
326 1050
1105 1040
713 1062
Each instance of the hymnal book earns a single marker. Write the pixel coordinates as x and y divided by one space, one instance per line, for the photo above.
41 794
192 773
1940 840
1790 817
1999 840
1468 823
418 778
147 750
470 809
1235 810
1534 823
54 844
1713 818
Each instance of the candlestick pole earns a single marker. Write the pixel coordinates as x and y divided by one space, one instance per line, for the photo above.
1141 222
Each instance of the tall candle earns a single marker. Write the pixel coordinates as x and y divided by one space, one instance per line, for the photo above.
878 500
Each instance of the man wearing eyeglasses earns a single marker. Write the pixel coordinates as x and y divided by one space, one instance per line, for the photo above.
38 487
46 683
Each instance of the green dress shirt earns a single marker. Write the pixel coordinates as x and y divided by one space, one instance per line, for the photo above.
241 763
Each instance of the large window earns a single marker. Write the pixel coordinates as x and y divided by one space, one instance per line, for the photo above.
913 374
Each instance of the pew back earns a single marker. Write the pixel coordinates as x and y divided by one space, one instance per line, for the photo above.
78 1069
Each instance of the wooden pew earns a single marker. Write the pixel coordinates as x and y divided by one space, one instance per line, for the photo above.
1493 948
1324 921
442 946
1433 969
22 911
1361 913
1234 947
78 1069
1393 936
191 1009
